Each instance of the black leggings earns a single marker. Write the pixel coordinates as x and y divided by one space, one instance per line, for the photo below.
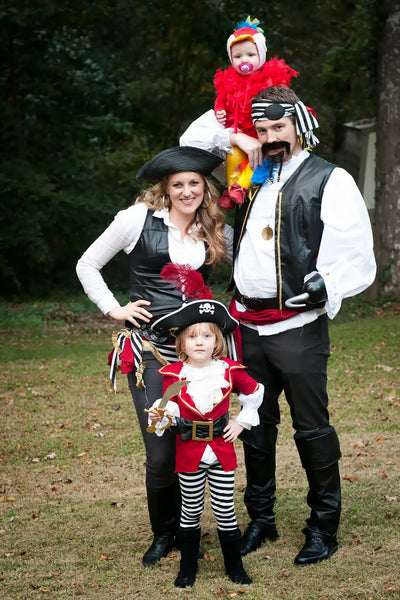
160 451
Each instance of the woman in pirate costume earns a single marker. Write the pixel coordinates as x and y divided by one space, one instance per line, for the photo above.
176 220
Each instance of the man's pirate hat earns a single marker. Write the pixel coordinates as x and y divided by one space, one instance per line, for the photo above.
198 304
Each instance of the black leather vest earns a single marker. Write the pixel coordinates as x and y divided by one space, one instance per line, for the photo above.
146 261
298 225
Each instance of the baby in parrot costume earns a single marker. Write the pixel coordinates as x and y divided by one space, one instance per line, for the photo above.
235 86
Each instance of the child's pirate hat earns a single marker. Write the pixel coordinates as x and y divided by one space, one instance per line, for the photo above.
198 303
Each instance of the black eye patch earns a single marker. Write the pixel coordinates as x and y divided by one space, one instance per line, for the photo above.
274 112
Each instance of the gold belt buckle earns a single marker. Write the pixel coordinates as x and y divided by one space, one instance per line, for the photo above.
210 425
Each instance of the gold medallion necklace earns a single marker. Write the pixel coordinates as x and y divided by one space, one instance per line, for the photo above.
267 233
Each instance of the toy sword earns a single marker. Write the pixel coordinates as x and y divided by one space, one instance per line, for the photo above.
171 391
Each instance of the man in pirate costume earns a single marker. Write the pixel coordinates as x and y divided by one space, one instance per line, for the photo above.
303 230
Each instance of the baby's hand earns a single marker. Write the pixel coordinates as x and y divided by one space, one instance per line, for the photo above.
154 415
221 116
232 430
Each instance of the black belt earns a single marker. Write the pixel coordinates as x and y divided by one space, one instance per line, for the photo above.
201 431
257 303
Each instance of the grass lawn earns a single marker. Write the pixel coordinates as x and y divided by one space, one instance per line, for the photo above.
73 515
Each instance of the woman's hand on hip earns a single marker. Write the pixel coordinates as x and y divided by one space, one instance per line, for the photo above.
132 312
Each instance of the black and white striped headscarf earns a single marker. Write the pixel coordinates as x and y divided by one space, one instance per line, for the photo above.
263 110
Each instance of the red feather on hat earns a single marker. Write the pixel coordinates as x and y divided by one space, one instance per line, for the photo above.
187 281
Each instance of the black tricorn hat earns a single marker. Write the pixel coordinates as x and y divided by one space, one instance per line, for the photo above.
196 311
178 159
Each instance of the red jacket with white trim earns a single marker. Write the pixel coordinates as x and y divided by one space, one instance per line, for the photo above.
190 452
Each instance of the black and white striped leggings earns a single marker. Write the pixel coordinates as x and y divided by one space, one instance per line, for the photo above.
221 485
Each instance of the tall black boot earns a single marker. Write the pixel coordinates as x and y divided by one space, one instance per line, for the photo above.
259 496
320 453
230 544
164 510
189 542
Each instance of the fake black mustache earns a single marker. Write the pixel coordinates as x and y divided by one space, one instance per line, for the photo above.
274 146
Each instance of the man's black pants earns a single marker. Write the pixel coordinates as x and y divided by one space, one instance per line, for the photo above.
293 362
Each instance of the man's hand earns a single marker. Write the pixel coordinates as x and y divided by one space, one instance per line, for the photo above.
250 146
316 290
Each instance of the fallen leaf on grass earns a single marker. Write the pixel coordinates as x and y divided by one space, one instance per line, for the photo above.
350 478
102 557
360 444
285 573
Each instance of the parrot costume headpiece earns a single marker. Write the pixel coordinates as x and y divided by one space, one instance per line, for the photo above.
249 30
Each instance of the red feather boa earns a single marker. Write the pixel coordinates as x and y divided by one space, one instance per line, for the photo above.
234 91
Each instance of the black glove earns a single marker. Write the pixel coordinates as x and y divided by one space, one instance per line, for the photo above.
316 290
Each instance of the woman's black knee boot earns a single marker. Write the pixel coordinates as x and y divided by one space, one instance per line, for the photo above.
230 544
163 505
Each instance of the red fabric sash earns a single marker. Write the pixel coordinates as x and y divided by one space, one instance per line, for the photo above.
256 317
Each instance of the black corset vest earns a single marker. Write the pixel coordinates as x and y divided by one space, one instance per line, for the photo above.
146 261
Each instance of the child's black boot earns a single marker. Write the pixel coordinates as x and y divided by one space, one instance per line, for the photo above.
230 544
189 543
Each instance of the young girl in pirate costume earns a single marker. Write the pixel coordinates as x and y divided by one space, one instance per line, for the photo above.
199 413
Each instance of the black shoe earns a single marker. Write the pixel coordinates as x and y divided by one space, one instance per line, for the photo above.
317 547
255 535
161 545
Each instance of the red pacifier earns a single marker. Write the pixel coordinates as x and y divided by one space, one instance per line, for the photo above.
245 68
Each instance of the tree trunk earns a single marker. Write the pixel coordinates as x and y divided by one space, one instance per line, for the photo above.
387 213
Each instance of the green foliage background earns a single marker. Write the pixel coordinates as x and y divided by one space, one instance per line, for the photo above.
90 90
